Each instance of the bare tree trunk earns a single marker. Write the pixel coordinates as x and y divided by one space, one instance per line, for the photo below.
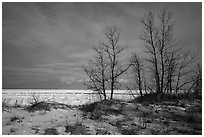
137 71
113 50
112 88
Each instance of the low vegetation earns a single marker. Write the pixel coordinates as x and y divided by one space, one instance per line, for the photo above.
164 114
149 116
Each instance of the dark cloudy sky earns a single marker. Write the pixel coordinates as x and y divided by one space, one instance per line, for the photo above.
45 44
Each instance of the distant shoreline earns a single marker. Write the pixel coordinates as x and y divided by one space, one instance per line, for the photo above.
60 91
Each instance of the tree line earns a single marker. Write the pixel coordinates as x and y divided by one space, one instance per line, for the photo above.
166 69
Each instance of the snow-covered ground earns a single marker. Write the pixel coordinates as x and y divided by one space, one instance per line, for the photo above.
70 97
112 117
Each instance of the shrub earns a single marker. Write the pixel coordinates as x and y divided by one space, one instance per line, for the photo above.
77 129
39 106
51 131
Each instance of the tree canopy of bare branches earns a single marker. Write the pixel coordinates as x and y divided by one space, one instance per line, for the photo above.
169 66
97 72
104 71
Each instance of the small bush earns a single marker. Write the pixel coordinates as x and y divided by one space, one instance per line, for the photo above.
16 119
131 131
39 107
51 131
88 107
34 99
77 129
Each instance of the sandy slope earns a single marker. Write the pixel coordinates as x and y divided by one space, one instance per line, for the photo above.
109 117
37 122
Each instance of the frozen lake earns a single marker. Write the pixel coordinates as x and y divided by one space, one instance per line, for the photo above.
70 97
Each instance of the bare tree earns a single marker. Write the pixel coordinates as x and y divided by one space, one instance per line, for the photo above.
158 42
113 51
171 61
197 80
96 72
184 69
151 39
166 41
104 71
137 68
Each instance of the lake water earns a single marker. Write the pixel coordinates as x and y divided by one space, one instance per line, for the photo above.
70 97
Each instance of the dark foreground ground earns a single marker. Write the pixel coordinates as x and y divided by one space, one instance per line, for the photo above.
105 117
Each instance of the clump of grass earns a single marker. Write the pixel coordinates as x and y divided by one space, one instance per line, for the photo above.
128 132
88 107
77 129
16 118
91 107
103 107
39 106
51 131
101 132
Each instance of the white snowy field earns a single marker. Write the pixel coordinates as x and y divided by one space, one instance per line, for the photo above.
70 97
